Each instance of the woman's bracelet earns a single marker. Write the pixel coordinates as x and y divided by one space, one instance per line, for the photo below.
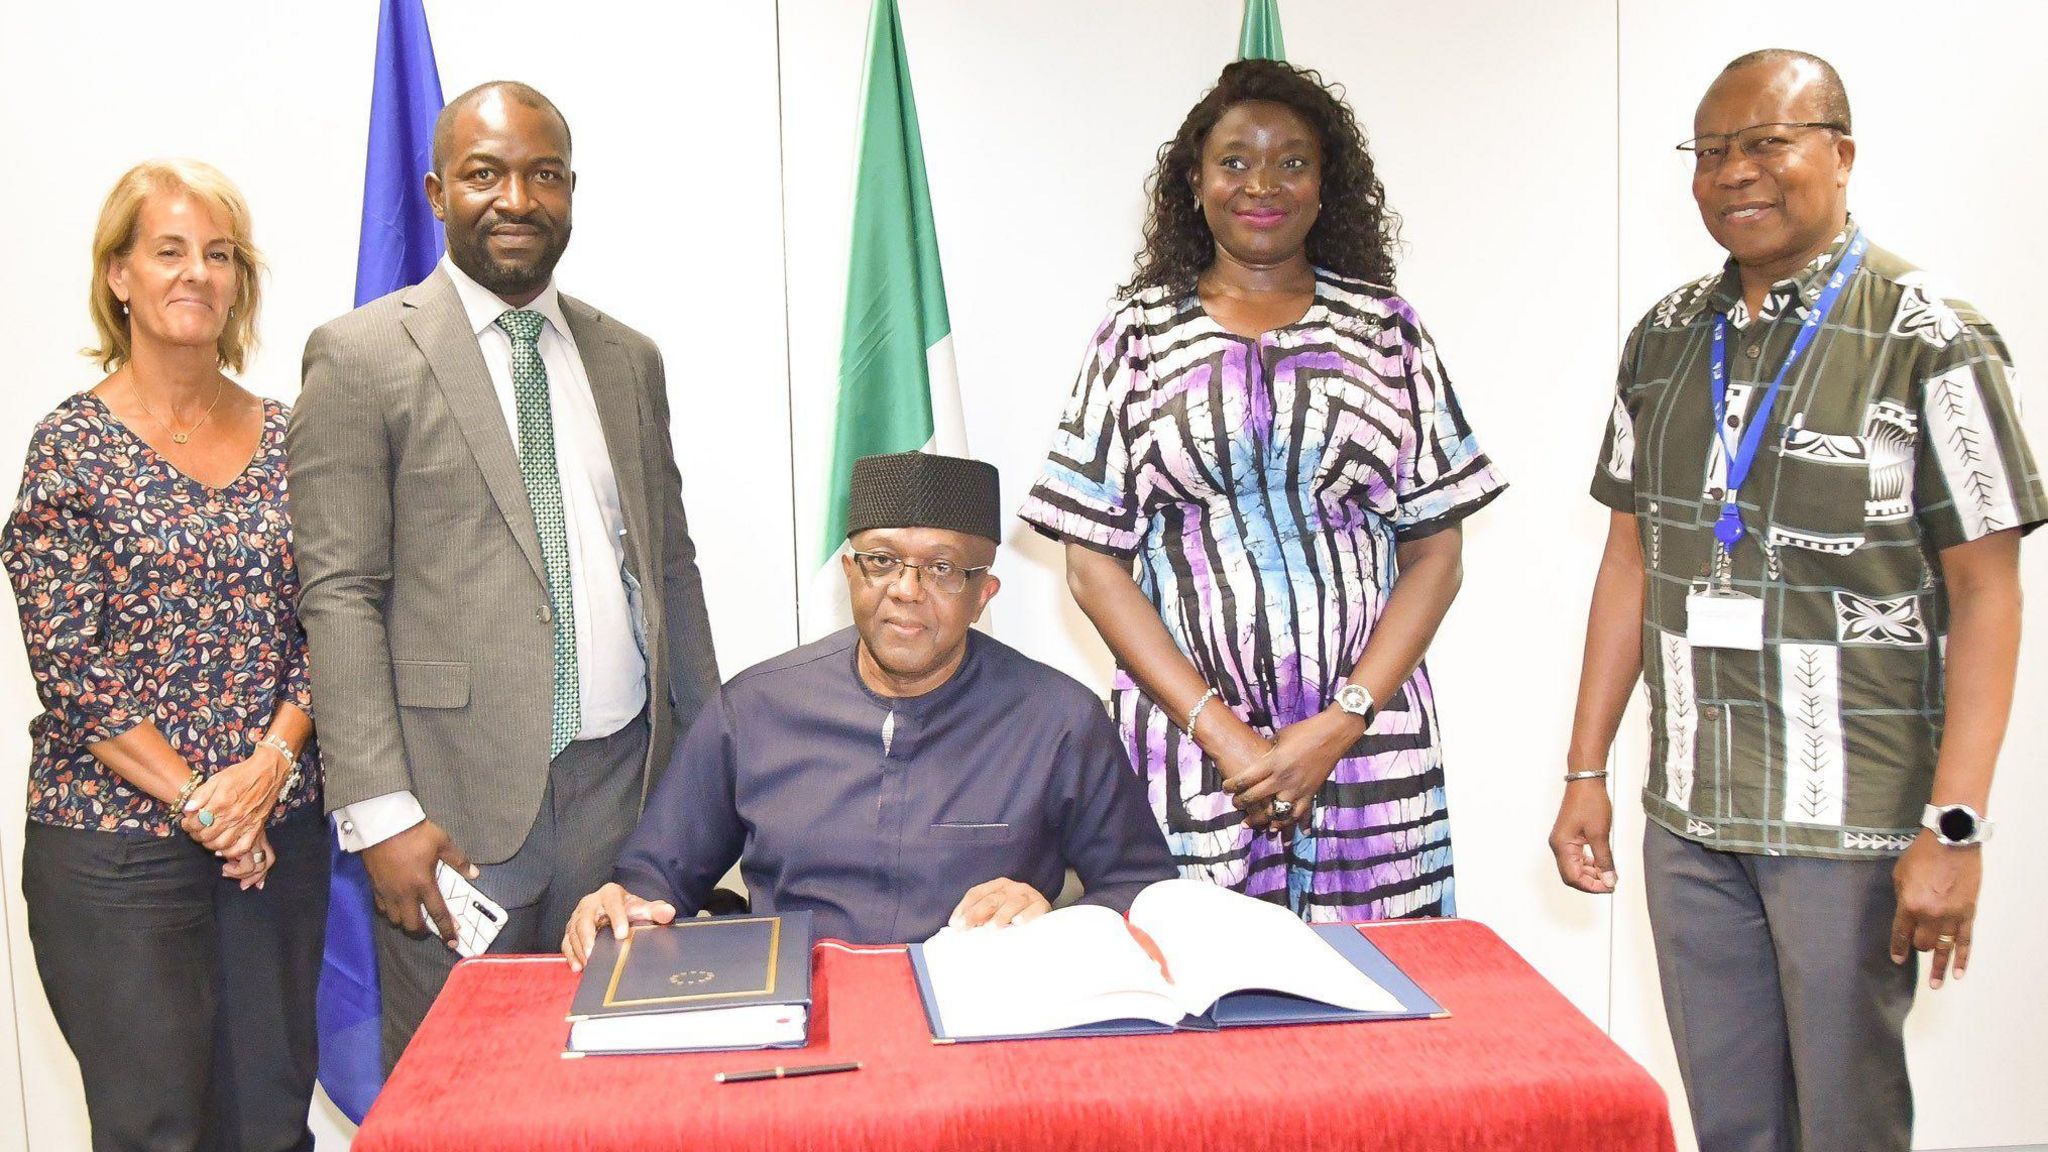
283 747
1595 774
1195 713
191 785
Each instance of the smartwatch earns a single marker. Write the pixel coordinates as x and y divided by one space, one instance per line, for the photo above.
1956 825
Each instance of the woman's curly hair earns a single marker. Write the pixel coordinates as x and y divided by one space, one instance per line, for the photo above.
1355 233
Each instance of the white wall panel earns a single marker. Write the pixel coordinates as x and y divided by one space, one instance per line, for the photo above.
1509 208
1040 121
678 234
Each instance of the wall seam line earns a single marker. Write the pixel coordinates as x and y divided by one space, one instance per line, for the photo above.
796 548
1613 915
14 1002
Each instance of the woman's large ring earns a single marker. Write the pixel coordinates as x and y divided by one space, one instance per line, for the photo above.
1282 809
257 856
206 817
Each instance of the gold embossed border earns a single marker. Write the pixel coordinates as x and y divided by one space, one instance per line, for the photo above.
626 949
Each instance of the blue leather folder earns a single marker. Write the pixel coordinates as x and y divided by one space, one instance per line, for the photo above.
698 965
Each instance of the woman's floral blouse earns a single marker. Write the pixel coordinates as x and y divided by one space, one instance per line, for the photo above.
148 597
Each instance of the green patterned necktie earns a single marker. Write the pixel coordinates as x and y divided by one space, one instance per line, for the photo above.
544 494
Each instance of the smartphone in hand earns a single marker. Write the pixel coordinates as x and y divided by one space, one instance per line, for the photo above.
478 919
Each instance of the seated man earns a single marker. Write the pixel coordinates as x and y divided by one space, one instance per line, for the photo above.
874 776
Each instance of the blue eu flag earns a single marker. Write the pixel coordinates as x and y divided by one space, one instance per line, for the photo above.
400 242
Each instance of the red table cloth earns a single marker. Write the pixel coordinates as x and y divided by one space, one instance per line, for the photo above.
1514 1068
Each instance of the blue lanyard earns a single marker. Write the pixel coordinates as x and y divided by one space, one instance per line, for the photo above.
1728 527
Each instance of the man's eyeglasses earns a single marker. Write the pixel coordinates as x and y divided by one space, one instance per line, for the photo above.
1762 143
941 575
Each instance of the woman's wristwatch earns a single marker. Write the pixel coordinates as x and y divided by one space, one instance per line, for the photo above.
1353 698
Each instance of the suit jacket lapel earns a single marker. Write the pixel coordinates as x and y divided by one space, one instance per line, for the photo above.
437 323
615 386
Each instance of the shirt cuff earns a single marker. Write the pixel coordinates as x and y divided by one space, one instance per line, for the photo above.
373 821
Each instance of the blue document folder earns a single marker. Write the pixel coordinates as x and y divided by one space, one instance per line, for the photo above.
706 984
1249 1009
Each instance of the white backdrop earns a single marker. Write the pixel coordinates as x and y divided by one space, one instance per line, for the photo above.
1528 147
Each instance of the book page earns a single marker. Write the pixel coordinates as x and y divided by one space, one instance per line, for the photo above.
749 1026
1216 942
1078 965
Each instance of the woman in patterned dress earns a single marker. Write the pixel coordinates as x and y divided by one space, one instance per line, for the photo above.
175 863
1259 479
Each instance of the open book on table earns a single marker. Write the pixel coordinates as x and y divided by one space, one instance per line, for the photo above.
1193 956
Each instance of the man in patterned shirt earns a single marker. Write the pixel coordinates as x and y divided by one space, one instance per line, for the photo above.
1826 614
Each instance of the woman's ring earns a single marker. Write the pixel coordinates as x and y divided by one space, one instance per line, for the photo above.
257 856
206 817
1282 809
1945 941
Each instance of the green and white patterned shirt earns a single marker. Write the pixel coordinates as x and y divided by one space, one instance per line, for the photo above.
1895 436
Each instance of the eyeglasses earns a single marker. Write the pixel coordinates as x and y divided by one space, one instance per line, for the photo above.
943 575
1762 143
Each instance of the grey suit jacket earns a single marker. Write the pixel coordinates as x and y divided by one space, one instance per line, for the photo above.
423 593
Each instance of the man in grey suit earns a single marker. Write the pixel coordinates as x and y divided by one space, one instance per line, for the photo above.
482 485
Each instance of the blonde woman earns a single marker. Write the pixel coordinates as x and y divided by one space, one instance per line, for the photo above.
174 866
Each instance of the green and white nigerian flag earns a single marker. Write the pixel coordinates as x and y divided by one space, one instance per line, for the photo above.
1259 36
898 391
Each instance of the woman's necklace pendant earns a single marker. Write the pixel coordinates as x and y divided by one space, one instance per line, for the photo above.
181 437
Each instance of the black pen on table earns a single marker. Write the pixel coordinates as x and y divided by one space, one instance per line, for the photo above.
781 1073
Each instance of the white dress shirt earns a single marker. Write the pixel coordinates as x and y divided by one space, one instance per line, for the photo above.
611 670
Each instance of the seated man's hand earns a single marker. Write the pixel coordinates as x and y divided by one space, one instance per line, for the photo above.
610 906
1001 903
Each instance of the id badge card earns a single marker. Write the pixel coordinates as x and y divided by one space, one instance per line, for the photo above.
1724 618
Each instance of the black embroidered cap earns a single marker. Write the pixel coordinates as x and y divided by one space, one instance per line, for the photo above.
922 490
